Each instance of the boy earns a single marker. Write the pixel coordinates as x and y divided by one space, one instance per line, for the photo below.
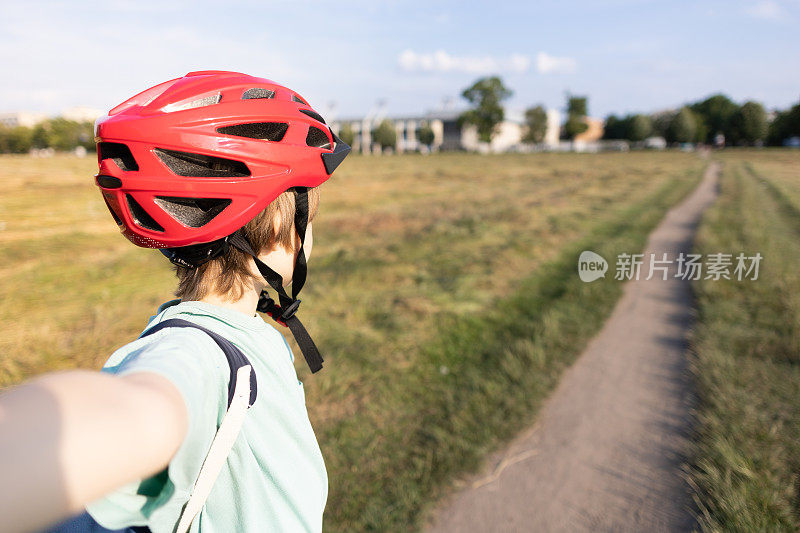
220 171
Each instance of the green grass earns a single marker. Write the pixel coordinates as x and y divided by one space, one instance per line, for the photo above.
443 293
746 464
480 380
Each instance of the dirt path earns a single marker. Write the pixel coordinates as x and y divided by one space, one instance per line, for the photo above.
607 449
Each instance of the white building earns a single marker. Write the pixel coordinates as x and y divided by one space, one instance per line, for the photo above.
82 114
21 118
447 134
553 133
29 120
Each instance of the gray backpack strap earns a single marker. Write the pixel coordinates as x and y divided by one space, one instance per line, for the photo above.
241 395
236 359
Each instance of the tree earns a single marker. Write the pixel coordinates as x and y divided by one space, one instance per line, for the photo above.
385 134
577 105
630 127
715 112
16 140
749 124
683 128
661 122
425 135
347 135
535 125
640 127
576 116
574 126
62 134
485 96
786 124
614 127
39 138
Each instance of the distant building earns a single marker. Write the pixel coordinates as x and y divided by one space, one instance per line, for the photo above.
21 118
81 114
589 140
448 135
446 132
553 133
792 142
593 133
508 135
655 143
29 120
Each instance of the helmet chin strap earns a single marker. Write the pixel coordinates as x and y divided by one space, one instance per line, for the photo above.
284 313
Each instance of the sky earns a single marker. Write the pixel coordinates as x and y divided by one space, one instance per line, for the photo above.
346 56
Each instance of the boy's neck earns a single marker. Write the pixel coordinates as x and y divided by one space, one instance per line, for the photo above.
246 304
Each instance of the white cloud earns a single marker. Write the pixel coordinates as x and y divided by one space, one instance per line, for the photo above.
767 10
547 64
441 61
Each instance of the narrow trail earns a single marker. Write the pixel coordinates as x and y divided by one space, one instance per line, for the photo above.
607 449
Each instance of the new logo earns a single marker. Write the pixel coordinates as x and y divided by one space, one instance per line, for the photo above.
591 266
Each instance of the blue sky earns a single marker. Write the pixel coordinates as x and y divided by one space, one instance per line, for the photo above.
625 55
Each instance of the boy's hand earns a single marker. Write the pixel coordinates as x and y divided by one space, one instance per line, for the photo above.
68 438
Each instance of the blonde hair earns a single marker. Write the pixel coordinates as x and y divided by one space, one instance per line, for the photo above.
229 273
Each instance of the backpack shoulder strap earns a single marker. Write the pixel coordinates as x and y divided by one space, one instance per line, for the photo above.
236 359
241 395
218 452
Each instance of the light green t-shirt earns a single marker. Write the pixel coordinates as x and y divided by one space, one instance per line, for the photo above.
274 478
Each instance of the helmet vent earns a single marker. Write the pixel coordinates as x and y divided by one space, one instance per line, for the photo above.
192 104
140 216
316 137
201 166
119 153
258 93
312 114
296 98
193 212
111 210
268 131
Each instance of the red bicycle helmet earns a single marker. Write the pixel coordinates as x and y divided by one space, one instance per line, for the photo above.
184 165
194 159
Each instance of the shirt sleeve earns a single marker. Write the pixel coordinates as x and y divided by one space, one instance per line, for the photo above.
196 366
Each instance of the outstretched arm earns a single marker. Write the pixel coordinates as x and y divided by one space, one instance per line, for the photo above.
69 438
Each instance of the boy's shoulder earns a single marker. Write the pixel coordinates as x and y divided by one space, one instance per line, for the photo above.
171 348
166 305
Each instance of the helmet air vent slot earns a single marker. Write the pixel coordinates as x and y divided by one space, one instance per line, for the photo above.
258 93
201 166
114 214
119 153
267 131
296 98
140 216
108 182
312 114
192 104
193 212
317 138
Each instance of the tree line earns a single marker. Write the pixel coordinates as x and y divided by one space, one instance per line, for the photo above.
713 119
58 133
705 121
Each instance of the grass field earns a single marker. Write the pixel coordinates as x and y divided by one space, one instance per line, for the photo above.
746 466
442 291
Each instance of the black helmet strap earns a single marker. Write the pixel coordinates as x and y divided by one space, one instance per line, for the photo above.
285 313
